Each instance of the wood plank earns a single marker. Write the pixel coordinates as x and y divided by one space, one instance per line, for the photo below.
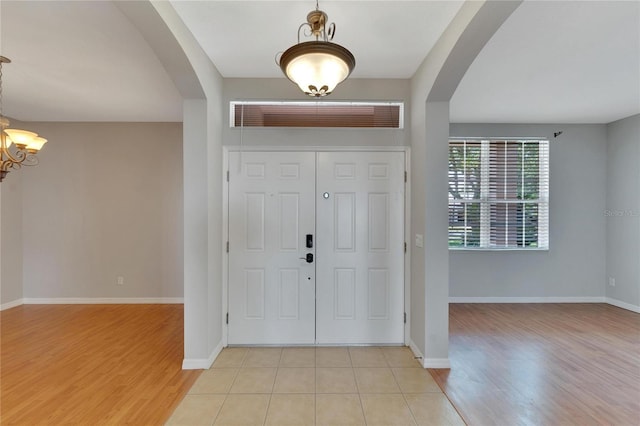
543 364
92 364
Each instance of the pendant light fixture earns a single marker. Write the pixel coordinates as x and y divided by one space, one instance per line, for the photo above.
318 66
25 144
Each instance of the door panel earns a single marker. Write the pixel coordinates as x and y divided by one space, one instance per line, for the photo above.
360 250
271 210
275 199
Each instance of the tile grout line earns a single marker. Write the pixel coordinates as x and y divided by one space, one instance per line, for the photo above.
315 390
266 413
230 386
220 410
355 379
226 395
273 385
315 386
409 407
404 398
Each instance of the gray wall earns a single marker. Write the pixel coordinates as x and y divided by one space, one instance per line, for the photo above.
105 201
622 212
574 265
11 237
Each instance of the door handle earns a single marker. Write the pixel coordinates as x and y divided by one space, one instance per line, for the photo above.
308 258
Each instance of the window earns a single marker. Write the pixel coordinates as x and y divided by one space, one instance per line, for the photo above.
317 114
498 194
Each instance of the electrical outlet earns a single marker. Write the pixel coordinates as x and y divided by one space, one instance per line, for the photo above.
120 280
612 281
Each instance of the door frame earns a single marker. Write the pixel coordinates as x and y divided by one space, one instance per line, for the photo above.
225 218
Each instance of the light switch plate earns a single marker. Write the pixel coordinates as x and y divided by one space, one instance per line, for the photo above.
419 240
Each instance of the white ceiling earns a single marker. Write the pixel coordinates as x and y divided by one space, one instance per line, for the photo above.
389 39
81 61
552 61
556 62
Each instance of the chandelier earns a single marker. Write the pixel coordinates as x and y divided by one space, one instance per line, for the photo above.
17 147
318 66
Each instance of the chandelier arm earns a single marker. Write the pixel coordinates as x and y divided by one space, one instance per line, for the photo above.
19 157
30 160
331 31
7 166
3 60
26 159
305 24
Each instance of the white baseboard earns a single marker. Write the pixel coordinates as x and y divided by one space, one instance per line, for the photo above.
436 363
608 300
527 300
416 351
428 362
202 363
11 304
623 305
101 300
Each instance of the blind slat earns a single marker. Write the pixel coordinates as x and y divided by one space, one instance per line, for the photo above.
498 194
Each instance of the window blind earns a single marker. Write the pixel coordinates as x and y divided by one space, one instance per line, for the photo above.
317 114
498 194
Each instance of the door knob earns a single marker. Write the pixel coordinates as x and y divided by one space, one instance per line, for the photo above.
308 258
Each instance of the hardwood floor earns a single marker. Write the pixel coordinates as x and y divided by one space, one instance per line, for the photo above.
92 364
543 364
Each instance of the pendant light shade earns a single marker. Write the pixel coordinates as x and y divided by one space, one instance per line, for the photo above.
317 67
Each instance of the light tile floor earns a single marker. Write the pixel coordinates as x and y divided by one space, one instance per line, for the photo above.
334 386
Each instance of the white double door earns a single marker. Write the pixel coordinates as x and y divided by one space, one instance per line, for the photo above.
316 248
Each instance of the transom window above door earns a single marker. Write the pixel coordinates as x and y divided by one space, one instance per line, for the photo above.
317 114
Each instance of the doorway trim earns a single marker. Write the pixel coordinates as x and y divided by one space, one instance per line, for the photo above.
225 218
